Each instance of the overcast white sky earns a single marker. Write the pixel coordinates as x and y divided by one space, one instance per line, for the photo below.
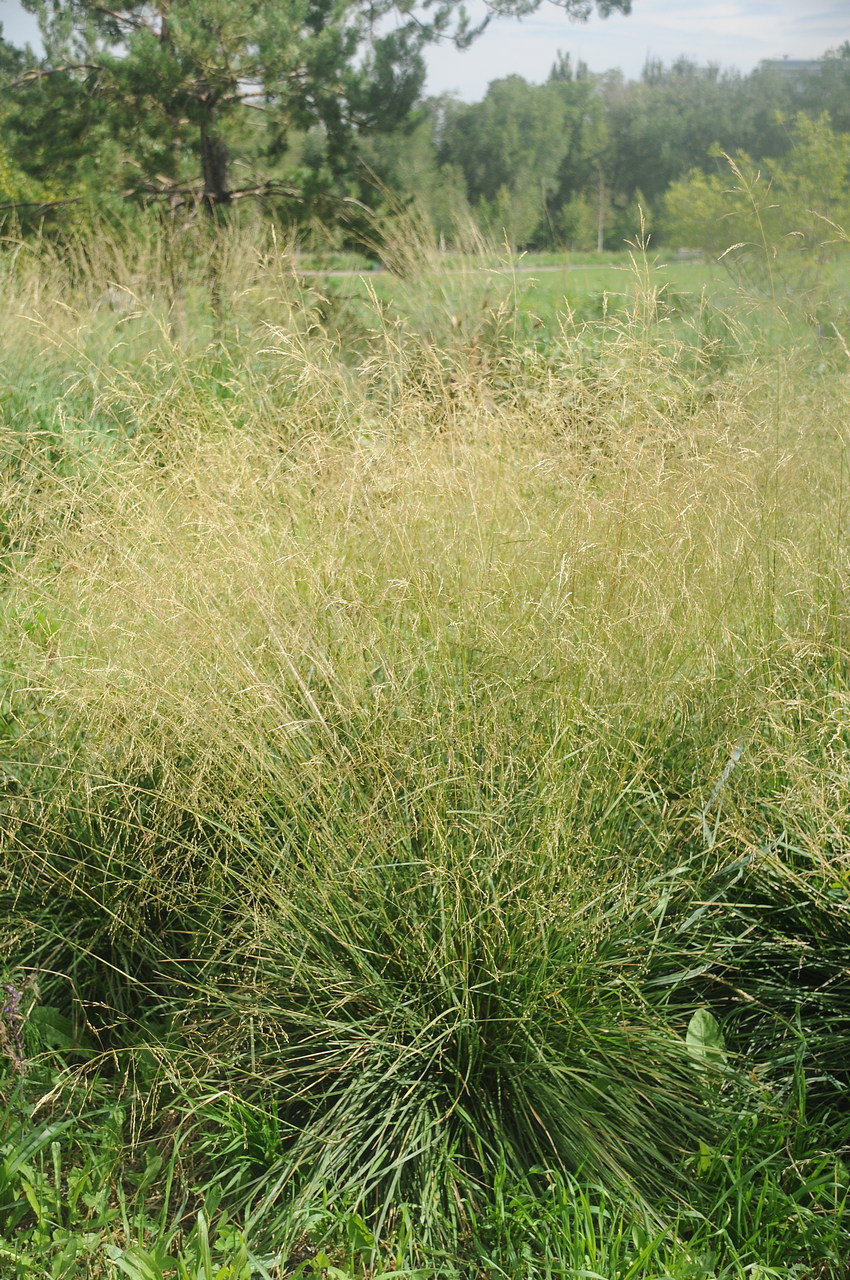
734 33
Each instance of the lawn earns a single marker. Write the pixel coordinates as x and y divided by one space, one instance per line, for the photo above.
742 300
425 805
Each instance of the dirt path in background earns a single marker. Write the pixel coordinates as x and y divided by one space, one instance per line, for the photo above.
367 274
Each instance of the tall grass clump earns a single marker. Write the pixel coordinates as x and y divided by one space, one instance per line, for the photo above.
370 712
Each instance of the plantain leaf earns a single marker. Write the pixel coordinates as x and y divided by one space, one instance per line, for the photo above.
705 1039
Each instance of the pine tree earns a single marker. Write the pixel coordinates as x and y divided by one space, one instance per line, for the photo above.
176 75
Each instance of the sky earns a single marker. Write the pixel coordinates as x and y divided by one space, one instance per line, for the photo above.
733 33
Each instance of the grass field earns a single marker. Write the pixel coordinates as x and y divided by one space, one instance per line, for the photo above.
542 284
425 796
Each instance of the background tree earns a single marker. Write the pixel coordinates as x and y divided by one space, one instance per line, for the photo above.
510 147
575 206
775 207
177 76
316 106
410 167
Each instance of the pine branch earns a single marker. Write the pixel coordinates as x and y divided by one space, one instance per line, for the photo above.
42 73
40 204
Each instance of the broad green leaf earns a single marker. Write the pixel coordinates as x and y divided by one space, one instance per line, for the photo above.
55 1031
705 1039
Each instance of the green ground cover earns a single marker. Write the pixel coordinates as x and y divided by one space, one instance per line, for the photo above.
740 300
425 717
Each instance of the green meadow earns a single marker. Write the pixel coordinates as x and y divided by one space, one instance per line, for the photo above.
425 790
544 285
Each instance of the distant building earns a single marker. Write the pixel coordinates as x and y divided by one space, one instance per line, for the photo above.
793 68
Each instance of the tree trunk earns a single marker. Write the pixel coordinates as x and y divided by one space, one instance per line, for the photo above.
214 165
600 221
216 199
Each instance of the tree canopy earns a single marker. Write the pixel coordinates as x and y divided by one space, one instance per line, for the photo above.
317 106
575 160
179 85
